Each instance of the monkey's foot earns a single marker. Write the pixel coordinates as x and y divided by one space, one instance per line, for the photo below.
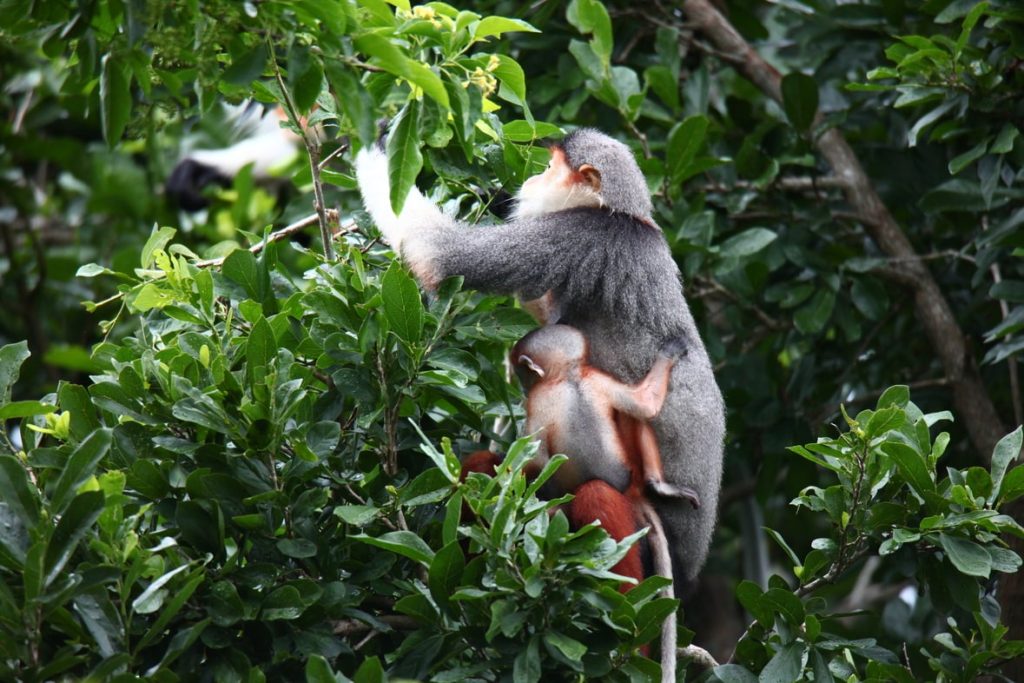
664 489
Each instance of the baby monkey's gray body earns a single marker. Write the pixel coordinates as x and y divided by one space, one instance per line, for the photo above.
596 420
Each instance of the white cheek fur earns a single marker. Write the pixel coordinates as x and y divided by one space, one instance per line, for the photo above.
537 198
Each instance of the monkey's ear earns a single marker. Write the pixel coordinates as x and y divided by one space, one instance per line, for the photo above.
528 362
592 176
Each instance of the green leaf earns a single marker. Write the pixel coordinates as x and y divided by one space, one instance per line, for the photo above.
299 548
115 99
1013 485
495 26
969 22
590 16
664 83
370 671
514 81
819 666
967 556
387 56
247 67
785 666
357 515
812 317
151 599
1005 452
747 243
896 395
182 641
223 604
92 270
158 239
785 603
284 604
19 409
1004 141
870 298
404 543
526 667
305 76
12 356
79 467
885 420
751 597
684 141
74 399
403 307
76 521
733 673
240 267
777 537
319 671
353 100
17 491
445 574
571 649
102 620
524 131
260 349
323 437
911 465
800 99
961 162
404 157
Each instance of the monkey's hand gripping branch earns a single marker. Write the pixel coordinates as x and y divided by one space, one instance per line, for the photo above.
407 232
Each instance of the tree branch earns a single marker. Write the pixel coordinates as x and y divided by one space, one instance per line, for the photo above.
350 627
970 397
277 235
698 655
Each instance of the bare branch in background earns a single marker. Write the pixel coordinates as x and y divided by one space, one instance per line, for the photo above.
969 395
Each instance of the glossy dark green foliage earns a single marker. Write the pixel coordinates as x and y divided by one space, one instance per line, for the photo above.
206 488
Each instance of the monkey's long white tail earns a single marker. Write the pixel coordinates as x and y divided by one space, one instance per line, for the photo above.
663 566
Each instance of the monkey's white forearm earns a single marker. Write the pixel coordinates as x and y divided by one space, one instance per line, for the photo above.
418 212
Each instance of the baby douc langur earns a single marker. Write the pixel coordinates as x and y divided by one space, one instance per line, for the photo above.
596 420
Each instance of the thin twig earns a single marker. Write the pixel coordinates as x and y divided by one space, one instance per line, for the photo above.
787 183
342 148
312 144
278 235
349 627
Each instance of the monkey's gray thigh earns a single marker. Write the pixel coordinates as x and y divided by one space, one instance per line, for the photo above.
690 430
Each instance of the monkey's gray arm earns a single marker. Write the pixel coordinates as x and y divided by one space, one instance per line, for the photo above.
525 257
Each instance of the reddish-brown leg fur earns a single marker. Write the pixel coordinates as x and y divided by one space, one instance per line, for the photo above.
599 501
484 462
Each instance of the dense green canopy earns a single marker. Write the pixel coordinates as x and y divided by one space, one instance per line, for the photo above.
239 459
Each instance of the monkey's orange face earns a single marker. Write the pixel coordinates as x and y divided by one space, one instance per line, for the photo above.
559 187
557 174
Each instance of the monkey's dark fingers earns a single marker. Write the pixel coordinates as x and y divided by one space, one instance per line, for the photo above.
665 490
382 133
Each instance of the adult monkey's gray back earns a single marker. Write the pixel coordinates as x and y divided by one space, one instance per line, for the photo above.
647 308
612 276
